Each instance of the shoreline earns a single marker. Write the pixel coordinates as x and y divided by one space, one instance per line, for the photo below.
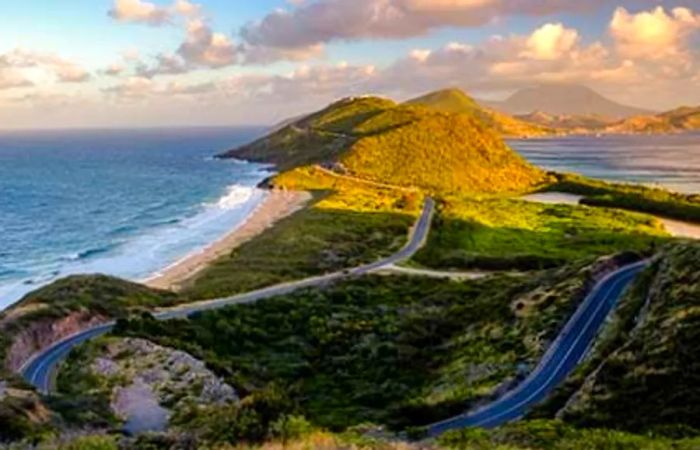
276 205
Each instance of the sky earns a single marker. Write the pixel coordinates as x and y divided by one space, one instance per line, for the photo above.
153 63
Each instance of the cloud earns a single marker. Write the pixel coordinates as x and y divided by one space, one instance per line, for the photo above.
551 41
17 63
205 48
12 79
654 34
322 21
139 11
114 69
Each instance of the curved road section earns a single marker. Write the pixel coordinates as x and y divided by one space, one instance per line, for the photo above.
562 357
39 370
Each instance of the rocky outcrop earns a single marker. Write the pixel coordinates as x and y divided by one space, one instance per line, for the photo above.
43 333
150 381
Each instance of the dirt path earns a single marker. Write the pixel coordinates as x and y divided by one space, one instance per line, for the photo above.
364 181
458 276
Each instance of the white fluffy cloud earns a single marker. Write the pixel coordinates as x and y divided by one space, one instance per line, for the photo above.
551 41
654 34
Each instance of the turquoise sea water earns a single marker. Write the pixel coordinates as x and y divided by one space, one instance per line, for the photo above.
126 203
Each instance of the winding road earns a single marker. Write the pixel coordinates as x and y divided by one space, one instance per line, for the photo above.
40 368
567 350
560 359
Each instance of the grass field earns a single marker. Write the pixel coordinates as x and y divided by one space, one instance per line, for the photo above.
631 197
340 230
503 233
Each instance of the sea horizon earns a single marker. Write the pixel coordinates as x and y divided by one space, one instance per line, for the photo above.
175 200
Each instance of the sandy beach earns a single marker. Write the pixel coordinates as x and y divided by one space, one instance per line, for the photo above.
276 205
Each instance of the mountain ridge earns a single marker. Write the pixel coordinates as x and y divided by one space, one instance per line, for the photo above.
407 145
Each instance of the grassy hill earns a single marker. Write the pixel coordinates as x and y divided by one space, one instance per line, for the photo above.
374 139
316 138
456 101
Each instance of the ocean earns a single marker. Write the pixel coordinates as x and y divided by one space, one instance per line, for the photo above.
126 203
670 161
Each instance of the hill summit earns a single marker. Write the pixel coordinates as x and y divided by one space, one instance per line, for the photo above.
376 140
454 100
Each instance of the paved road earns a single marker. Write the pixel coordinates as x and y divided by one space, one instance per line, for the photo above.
562 357
40 368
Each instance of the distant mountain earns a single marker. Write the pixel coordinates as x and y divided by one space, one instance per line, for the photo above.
562 99
376 140
456 101
674 121
569 123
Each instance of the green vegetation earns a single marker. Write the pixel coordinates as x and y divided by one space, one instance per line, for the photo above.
440 153
502 233
631 197
294 433
399 351
317 138
84 296
406 145
456 101
99 294
340 231
651 367
556 435
22 413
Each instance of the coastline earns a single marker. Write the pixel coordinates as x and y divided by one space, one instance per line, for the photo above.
277 205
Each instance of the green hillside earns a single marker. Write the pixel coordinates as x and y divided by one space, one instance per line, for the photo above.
439 152
374 139
456 101
316 138
652 364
